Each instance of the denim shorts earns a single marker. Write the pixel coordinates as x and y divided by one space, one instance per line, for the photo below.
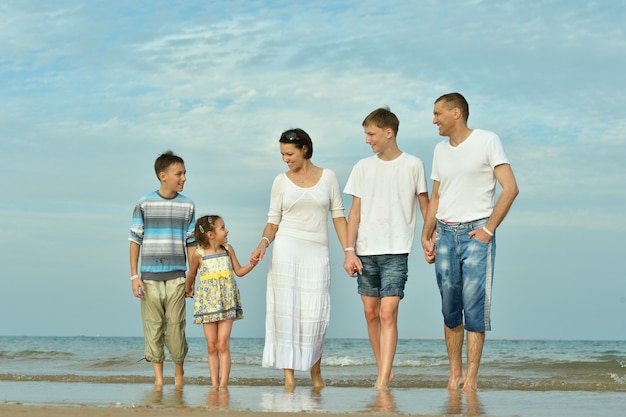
383 275
464 268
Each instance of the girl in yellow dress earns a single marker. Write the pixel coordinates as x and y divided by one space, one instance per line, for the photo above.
218 302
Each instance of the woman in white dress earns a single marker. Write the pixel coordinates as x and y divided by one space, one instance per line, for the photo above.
298 281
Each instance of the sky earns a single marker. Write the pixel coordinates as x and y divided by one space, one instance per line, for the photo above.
92 92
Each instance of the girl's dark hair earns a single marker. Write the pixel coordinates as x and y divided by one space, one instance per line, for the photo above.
300 139
205 224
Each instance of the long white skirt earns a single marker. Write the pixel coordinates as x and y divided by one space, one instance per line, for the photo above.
298 304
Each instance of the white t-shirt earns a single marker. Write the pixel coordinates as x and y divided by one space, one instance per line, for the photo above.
467 182
388 191
303 212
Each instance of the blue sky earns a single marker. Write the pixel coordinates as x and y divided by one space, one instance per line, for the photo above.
92 92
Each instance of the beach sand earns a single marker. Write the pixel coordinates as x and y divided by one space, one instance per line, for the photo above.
86 411
38 399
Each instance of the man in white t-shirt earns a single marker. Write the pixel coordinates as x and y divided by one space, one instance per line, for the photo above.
386 189
459 230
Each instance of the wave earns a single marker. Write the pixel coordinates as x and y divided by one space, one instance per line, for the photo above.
600 383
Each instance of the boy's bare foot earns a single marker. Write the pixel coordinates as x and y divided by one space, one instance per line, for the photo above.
179 376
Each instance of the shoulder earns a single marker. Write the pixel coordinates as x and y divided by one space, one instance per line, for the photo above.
279 181
328 173
183 198
486 135
150 196
366 162
411 159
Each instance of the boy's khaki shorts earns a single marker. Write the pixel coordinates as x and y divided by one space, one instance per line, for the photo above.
163 314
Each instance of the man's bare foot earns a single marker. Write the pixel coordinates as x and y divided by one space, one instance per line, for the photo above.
470 386
456 382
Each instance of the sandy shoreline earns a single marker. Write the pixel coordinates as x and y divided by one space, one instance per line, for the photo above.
88 411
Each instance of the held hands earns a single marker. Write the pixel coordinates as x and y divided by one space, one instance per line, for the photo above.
258 254
429 249
189 292
352 264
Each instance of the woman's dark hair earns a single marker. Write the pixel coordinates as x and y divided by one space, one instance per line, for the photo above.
300 139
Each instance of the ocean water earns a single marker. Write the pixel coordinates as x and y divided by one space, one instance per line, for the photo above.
581 375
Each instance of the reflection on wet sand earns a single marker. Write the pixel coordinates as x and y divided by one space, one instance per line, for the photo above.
293 400
156 398
383 402
455 403
218 399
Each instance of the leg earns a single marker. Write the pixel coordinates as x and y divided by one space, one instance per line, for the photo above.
175 321
157 367
153 319
224 329
475 342
454 345
388 340
210 334
179 373
477 286
371 309
316 374
290 380
450 283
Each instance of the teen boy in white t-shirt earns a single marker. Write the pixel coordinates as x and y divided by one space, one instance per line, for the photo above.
386 189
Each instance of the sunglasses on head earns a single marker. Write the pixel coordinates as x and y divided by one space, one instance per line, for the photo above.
289 135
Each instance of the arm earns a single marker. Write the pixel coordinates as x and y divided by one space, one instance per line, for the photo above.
270 233
430 223
352 264
136 283
239 270
195 259
506 179
422 200
341 227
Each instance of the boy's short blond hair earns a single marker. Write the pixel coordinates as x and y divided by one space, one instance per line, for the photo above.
383 118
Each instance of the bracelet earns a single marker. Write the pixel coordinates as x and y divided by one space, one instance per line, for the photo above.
267 240
350 249
490 233
134 277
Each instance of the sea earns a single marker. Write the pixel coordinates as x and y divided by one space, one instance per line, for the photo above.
526 378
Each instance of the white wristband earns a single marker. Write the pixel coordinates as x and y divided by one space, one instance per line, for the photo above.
489 232
134 277
267 240
350 249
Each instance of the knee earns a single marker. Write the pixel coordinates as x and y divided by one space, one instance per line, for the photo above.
389 316
371 314
211 348
223 346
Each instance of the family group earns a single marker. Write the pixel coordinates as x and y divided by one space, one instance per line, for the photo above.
388 190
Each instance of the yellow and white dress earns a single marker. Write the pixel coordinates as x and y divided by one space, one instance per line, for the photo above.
217 295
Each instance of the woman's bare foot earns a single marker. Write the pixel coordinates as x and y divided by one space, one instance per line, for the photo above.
316 375
290 380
